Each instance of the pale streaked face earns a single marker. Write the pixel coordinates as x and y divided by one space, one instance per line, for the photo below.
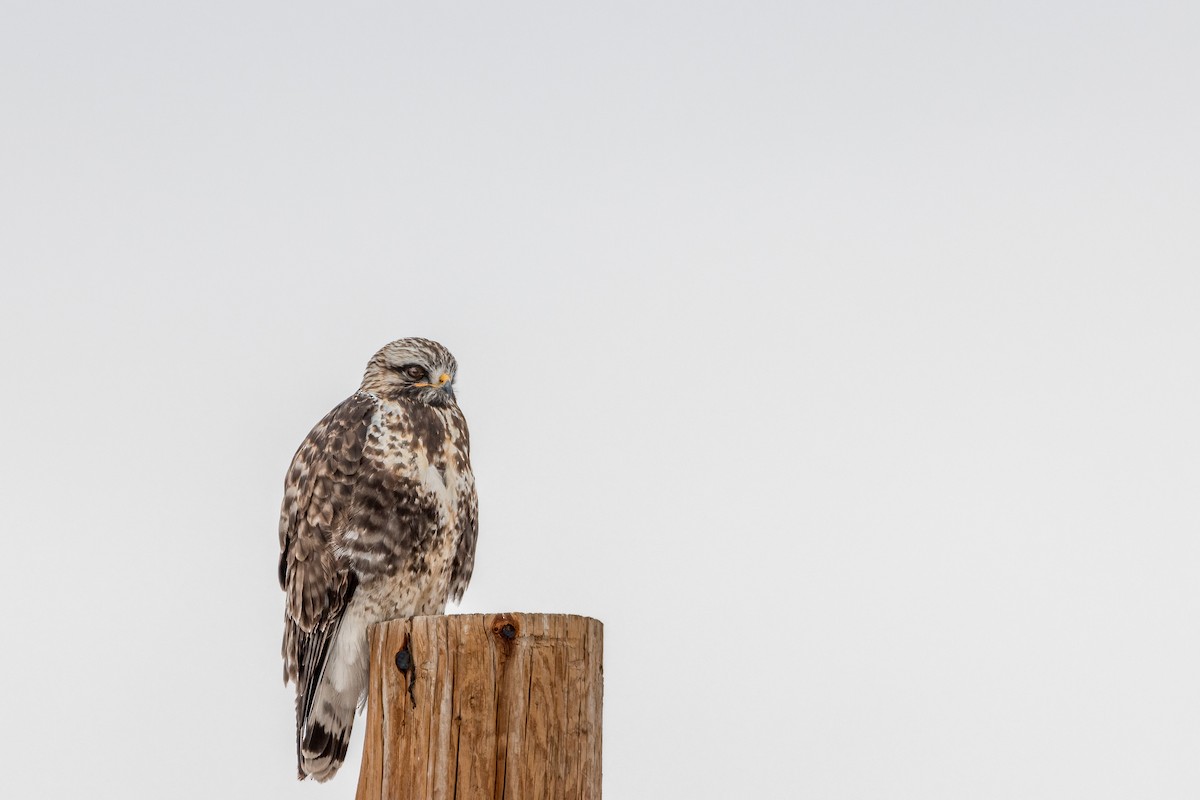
419 370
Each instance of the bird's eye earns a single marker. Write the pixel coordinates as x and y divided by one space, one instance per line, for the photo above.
414 371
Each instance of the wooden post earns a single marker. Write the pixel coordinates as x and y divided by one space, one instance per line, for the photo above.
484 707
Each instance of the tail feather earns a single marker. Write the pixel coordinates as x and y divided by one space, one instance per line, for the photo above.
312 656
332 683
324 743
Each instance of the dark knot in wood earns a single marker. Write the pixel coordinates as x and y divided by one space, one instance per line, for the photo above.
506 627
404 663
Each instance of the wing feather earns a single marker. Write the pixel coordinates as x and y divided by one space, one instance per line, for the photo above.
468 512
317 494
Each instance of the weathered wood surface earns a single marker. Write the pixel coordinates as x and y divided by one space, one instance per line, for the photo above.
484 707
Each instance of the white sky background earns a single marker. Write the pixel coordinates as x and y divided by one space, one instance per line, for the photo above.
840 357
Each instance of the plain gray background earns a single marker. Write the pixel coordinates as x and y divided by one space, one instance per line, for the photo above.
840 357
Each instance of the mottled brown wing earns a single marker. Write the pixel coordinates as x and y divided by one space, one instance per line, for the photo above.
317 582
468 514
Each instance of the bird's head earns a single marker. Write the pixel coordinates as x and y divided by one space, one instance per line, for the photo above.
416 370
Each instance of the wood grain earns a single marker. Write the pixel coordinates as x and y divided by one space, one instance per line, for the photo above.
484 707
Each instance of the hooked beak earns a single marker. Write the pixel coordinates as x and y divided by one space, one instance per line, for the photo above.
443 382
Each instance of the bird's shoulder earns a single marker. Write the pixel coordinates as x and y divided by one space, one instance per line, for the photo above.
333 448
